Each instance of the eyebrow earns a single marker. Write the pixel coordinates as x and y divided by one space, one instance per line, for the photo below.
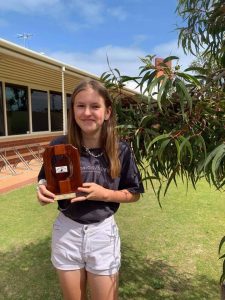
84 102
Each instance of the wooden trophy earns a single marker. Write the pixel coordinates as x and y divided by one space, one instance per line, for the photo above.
62 170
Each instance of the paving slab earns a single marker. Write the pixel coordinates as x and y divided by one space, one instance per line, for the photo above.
9 182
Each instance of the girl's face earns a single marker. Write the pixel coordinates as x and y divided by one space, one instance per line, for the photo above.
90 112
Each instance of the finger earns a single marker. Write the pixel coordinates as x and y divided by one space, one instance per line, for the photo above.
77 199
43 198
87 184
44 191
83 189
43 202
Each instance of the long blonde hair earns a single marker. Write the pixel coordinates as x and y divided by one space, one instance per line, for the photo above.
109 138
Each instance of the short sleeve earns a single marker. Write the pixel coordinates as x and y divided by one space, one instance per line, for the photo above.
130 178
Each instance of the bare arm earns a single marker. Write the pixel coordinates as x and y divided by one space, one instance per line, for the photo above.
122 196
93 191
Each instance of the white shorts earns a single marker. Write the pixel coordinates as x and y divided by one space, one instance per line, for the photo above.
95 247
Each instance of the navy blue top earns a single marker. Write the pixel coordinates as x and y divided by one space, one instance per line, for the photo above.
95 169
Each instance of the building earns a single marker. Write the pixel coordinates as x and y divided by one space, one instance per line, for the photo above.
35 93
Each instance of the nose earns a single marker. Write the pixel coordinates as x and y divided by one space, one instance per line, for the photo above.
87 111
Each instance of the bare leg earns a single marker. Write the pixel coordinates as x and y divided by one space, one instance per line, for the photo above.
103 287
73 284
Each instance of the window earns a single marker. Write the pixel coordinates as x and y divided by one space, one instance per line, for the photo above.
56 111
17 109
2 124
39 104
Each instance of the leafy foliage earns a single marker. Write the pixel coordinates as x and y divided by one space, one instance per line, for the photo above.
204 36
176 125
205 27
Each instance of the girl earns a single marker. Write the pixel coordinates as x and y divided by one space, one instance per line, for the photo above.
85 239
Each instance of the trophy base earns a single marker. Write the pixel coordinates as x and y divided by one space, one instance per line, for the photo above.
65 196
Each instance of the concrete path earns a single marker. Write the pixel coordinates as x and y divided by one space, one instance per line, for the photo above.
9 182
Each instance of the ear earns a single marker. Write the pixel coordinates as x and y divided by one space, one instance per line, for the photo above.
108 113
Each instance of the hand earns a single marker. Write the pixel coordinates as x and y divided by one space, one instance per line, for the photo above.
44 196
92 191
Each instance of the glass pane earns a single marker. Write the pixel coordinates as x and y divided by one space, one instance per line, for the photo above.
17 109
2 125
56 111
39 104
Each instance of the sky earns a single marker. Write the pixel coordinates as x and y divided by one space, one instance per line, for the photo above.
83 33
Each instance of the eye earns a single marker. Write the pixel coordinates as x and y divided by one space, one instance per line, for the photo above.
95 106
79 105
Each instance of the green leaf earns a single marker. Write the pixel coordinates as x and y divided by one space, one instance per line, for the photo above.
184 94
186 144
117 71
158 138
129 78
172 177
144 121
161 91
152 85
220 153
189 78
211 156
162 148
200 142
222 256
169 58
125 126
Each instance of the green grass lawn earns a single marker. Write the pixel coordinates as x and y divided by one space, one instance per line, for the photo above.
168 253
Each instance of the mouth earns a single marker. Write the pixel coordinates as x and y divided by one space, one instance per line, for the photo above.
88 120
